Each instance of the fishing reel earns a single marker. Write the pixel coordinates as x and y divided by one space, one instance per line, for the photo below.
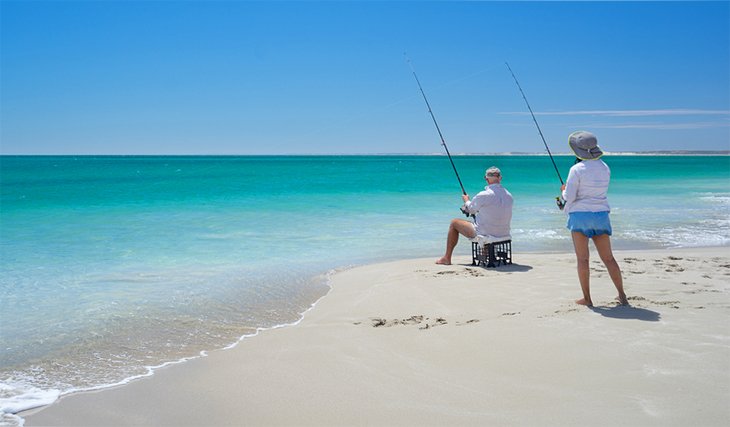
560 202
465 212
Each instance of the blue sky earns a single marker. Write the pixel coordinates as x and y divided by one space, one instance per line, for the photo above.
241 77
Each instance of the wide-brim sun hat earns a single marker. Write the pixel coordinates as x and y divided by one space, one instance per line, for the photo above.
585 145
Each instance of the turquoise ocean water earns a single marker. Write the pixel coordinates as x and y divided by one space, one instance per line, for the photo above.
111 266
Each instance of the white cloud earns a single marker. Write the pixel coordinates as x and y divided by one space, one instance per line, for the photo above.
629 113
666 118
662 126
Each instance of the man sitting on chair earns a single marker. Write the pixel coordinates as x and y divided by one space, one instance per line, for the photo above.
491 210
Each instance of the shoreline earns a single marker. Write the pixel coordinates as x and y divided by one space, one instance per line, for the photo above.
35 403
212 371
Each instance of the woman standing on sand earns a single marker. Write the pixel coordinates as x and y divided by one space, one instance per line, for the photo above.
587 207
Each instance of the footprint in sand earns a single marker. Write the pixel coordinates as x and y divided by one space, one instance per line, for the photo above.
437 322
379 322
440 273
474 272
413 320
672 304
466 272
420 320
674 268
567 310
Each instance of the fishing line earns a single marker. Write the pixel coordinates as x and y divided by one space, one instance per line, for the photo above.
559 199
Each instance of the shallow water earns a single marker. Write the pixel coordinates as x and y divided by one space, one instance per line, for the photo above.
113 265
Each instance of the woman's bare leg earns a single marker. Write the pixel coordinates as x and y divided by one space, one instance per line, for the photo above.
603 245
457 226
580 243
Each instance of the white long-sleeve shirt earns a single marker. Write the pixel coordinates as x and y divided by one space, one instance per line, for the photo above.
586 187
493 211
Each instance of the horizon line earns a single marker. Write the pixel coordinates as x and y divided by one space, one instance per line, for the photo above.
509 153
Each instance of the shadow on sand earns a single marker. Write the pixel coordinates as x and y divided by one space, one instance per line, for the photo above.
627 312
511 268
517 268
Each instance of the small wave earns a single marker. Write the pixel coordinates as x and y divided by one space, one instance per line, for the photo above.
546 234
716 199
17 398
714 234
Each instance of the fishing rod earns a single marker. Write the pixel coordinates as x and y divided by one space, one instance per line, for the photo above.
438 129
559 199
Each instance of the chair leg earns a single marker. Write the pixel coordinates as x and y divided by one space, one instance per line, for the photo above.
490 254
507 252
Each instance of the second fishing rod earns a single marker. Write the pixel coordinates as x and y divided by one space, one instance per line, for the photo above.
438 129
559 199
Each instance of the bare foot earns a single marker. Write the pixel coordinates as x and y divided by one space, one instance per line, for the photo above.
443 261
622 300
585 302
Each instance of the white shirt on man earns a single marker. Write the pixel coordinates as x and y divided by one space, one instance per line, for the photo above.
587 186
493 211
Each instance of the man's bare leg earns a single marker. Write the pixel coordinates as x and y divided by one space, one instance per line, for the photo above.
457 226
580 243
603 245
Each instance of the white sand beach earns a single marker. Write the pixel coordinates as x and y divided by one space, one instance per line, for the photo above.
414 343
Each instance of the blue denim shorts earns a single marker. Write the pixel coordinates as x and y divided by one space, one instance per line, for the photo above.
589 223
